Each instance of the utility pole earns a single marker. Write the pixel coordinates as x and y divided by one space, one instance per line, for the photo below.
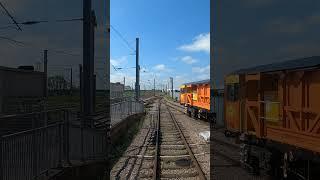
45 68
137 71
108 111
81 88
93 24
154 86
87 74
124 86
71 83
211 119
89 24
124 83
167 87
171 79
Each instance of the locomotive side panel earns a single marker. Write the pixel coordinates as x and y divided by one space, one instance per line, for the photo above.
232 109
300 111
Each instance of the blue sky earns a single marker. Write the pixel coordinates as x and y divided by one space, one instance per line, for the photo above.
174 36
174 40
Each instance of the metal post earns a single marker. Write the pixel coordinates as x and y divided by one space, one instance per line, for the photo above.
94 96
81 142
1 159
124 83
81 89
137 71
45 63
154 86
93 24
45 60
124 87
168 90
87 74
108 108
71 81
67 131
212 11
171 79
60 145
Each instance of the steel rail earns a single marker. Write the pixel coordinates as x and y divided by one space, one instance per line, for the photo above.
201 174
157 155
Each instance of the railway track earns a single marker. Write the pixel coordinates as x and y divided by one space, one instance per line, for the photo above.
162 150
174 158
174 106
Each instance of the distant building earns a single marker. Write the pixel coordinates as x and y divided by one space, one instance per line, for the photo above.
116 90
127 88
20 88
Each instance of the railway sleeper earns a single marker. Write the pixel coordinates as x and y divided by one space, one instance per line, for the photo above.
173 152
173 147
172 164
179 173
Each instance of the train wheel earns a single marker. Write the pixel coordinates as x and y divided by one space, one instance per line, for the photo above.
195 115
285 165
199 115
226 133
189 113
255 166
192 113
275 165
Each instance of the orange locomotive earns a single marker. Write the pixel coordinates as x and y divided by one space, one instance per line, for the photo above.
277 107
195 96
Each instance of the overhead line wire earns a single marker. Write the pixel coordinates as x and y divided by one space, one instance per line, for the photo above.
122 37
11 17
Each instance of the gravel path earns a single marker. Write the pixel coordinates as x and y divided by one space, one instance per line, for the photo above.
135 159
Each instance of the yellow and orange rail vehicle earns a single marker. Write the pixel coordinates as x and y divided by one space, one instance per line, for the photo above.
275 109
195 96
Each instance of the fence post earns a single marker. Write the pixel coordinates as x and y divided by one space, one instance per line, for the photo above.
130 107
135 107
66 138
1 159
35 150
121 111
60 145
127 108
81 140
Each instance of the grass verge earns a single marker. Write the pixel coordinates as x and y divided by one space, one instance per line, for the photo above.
124 141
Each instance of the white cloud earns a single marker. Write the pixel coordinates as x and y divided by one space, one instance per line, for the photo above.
160 67
199 44
189 60
205 70
119 61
